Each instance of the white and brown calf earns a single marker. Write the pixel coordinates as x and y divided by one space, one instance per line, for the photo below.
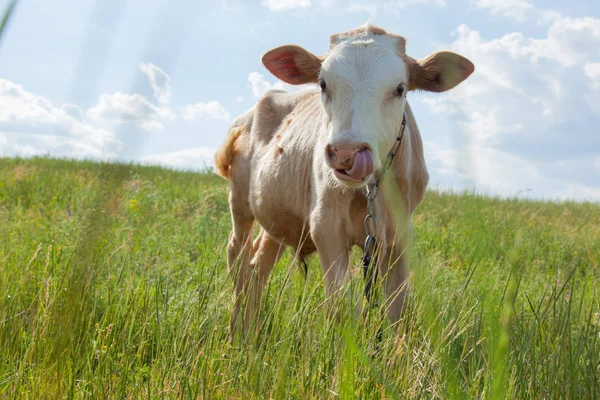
296 161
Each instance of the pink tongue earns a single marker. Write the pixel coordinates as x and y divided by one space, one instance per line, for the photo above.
363 165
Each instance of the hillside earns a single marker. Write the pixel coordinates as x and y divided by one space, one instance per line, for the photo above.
113 284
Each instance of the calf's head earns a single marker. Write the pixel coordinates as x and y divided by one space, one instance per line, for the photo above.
364 79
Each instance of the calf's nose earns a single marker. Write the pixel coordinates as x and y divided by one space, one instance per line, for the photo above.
341 157
350 161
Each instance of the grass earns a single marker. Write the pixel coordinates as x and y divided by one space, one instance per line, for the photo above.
113 284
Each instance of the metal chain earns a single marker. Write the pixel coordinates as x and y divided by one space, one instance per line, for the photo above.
370 192
370 248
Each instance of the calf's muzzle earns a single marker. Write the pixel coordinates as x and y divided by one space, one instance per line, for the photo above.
351 161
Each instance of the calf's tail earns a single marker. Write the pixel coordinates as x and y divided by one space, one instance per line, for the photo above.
225 153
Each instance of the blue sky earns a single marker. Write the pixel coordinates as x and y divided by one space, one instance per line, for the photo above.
160 81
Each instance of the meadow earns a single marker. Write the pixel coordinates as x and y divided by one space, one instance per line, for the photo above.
114 284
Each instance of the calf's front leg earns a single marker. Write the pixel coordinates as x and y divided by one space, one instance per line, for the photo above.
334 254
395 273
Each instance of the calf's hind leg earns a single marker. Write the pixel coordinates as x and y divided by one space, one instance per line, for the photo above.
239 249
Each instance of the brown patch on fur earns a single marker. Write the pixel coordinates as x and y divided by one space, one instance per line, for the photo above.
400 44
225 153
284 125
241 145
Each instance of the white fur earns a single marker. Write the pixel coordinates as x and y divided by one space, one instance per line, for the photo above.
362 74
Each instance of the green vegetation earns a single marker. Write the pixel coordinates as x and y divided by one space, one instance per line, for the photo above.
114 284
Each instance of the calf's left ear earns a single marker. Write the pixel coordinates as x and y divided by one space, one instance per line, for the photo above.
292 64
439 71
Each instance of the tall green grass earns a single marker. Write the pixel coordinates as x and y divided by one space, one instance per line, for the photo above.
114 284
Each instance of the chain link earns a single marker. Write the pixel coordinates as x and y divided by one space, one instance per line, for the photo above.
370 247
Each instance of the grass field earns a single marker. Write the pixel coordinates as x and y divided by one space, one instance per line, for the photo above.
114 284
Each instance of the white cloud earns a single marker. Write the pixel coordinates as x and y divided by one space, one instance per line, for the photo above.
522 68
135 109
128 108
73 111
526 118
373 7
32 125
159 80
515 9
152 126
484 127
592 71
363 8
196 159
401 4
281 5
580 192
545 16
498 173
232 5
239 99
483 168
260 85
211 109
569 42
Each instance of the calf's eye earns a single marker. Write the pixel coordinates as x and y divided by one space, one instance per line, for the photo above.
400 90
323 85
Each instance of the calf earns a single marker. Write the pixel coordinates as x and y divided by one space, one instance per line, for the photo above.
298 163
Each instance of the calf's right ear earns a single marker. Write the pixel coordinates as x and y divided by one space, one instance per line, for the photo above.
292 64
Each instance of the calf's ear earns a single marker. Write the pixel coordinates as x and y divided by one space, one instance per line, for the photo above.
438 72
292 64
